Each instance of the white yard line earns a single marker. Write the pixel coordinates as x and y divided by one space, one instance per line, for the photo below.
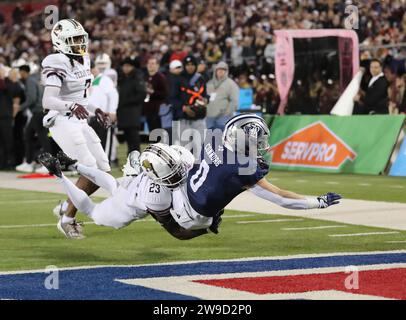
28 201
364 184
313 228
267 221
397 187
400 241
332 182
16 226
361 234
240 215
302 181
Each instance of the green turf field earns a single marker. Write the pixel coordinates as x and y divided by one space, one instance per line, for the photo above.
30 240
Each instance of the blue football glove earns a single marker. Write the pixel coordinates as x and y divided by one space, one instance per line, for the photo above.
328 199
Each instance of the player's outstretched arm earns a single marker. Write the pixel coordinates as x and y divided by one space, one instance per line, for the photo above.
291 200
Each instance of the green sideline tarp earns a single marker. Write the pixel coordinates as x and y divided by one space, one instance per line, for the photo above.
323 143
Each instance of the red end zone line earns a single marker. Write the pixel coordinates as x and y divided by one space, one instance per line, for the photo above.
388 283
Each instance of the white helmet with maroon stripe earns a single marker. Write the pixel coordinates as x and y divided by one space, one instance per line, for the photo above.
164 165
69 37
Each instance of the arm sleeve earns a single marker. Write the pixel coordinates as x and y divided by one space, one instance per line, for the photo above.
51 99
296 204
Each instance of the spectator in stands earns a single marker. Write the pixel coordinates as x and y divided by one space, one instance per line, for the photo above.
9 95
132 92
33 103
194 101
375 99
172 110
223 101
104 95
157 93
20 117
402 90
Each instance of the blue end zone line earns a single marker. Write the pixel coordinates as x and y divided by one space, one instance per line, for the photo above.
99 283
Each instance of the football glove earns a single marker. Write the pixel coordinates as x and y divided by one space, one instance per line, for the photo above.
102 118
328 199
79 111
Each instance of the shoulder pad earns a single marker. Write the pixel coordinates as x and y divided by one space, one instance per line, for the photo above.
57 64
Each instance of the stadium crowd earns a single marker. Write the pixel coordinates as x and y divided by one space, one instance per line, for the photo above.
224 40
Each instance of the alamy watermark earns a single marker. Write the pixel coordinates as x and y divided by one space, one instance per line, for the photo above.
51 281
244 149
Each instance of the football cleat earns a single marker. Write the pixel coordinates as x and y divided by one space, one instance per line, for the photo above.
51 163
58 210
41 169
64 160
25 167
72 230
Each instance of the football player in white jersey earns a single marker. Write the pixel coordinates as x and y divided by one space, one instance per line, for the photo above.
66 76
103 93
132 197
103 63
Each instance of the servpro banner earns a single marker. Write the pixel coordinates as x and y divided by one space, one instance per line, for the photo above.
354 144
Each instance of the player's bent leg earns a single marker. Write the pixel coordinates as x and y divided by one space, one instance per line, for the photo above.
88 187
98 177
94 145
78 197
110 213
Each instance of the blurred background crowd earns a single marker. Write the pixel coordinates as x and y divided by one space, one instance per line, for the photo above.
230 43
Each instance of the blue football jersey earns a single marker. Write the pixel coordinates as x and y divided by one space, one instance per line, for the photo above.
220 176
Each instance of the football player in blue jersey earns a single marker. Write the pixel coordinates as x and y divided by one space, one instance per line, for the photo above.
229 165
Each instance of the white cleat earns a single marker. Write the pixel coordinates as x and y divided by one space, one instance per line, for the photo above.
72 230
41 169
25 167
57 211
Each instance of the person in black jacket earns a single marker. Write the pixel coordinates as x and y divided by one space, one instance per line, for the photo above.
375 99
9 93
132 92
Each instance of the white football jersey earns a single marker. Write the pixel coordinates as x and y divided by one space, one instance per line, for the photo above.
71 76
145 194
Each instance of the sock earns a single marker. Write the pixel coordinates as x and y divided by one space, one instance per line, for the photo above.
64 206
66 219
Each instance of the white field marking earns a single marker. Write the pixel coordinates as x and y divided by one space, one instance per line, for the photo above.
302 181
185 284
296 256
313 228
332 182
397 187
239 215
16 226
28 201
361 234
399 241
267 221
364 184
